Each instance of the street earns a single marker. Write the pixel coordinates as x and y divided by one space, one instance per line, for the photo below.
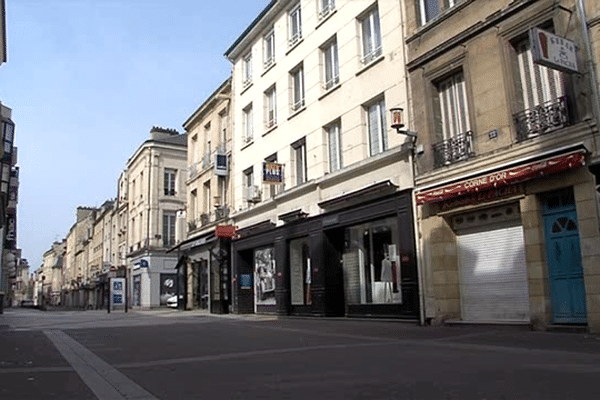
169 354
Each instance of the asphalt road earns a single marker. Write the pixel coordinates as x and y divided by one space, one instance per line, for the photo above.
167 354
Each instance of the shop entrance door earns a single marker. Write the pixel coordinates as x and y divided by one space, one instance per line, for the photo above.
563 252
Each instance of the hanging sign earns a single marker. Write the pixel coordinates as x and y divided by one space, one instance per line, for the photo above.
553 51
272 173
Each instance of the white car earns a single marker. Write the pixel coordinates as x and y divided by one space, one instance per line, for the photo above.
172 301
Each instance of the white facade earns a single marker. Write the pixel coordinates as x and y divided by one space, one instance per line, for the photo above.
155 184
315 99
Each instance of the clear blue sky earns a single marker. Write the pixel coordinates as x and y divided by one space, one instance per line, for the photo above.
87 79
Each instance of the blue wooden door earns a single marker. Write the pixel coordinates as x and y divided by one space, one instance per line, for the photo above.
567 292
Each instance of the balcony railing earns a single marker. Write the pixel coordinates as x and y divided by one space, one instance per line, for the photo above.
455 149
542 119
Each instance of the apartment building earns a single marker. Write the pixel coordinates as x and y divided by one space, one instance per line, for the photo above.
78 283
155 192
100 264
322 185
52 272
506 176
205 249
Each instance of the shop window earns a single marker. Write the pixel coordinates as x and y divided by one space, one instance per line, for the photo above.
300 272
264 276
371 263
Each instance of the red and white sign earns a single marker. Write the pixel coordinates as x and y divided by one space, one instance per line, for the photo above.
502 178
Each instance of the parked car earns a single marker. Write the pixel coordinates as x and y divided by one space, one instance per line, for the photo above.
172 301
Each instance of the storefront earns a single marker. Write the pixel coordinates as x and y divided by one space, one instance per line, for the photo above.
207 270
356 260
505 246
153 280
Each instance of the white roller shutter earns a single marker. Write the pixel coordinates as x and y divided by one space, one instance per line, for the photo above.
493 275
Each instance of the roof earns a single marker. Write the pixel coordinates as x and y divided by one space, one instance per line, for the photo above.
250 28
206 102
179 140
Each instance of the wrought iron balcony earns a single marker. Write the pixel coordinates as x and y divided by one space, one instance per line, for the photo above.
452 150
542 119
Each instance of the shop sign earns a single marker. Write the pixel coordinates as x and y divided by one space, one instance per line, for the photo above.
502 178
481 197
225 231
553 51
245 281
272 173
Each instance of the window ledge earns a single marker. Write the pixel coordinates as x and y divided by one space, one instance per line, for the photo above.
293 46
245 88
247 144
369 65
330 90
298 111
267 69
271 129
322 20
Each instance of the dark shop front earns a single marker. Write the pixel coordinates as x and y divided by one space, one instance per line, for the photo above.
354 260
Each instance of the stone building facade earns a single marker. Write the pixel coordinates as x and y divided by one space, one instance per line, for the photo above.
506 161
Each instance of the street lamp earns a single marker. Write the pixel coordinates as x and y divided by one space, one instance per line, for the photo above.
398 123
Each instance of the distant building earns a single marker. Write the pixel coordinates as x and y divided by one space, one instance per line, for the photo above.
154 180
209 204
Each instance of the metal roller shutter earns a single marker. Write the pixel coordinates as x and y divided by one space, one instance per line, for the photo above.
493 275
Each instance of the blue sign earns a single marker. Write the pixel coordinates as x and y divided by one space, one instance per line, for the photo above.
117 299
245 281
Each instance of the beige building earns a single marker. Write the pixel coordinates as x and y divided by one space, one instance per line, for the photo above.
77 279
506 163
209 203
52 272
322 184
155 192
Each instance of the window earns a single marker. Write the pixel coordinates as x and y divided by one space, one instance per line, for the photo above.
295 25
269 49
371 36
334 146
251 193
453 106
299 157
223 121
192 205
430 9
270 108
297 92
206 200
247 70
170 175
331 73
377 127
454 129
541 93
169 229
248 121
326 7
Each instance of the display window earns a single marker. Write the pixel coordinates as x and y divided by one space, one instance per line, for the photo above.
371 263
264 276
300 272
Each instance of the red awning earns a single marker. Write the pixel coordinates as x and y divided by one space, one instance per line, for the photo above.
502 178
